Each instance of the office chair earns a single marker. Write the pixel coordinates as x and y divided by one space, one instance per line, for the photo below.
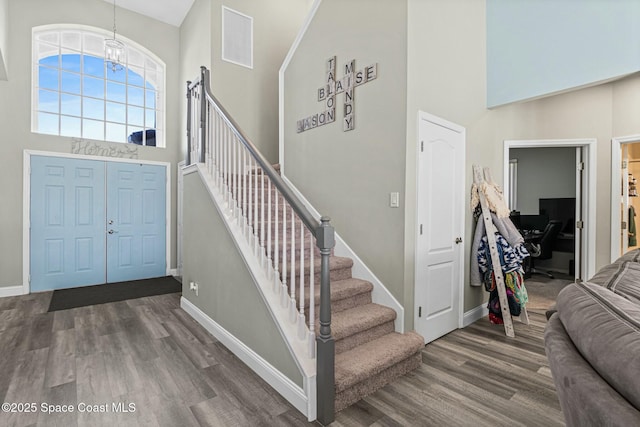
549 236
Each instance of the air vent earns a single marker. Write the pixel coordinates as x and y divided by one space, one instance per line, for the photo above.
237 37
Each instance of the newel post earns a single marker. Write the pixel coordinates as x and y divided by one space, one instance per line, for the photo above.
188 122
325 344
203 115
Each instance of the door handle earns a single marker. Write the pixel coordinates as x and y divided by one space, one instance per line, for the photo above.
110 222
111 231
458 240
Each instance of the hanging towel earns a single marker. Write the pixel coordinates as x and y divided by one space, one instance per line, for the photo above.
633 241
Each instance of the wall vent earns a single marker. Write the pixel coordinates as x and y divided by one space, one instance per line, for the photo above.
237 37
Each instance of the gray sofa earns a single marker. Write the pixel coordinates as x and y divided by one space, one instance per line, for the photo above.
592 340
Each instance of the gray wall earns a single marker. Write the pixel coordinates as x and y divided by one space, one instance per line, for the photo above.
349 175
227 293
544 173
195 51
4 36
15 105
251 95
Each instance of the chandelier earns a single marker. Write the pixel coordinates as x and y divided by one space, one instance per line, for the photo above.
114 50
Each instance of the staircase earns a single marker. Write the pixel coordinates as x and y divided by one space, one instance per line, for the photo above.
369 353
351 348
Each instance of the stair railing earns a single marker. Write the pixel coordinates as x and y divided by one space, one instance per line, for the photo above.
274 222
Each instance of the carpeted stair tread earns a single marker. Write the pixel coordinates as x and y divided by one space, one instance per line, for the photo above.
372 358
358 319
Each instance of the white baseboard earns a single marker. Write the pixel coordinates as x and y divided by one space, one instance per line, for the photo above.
11 291
474 314
283 385
173 272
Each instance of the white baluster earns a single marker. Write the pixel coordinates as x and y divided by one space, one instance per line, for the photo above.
284 293
292 284
249 200
312 301
276 249
302 327
243 180
255 211
269 260
262 222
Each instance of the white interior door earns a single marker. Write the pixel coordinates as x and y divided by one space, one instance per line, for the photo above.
440 227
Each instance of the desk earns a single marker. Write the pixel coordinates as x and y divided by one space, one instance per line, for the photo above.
565 242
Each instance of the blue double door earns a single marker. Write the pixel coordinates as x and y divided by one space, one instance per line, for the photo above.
95 222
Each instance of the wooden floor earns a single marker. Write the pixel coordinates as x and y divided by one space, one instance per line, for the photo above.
149 353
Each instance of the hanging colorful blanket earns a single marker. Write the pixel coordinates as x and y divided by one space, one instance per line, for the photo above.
511 262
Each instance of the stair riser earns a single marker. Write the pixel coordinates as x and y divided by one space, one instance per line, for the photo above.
352 394
334 275
341 304
347 343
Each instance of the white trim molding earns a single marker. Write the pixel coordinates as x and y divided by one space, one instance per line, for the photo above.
616 190
588 191
11 291
474 315
276 379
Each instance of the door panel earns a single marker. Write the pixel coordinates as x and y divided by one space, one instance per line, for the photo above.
67 223
440 222
136 221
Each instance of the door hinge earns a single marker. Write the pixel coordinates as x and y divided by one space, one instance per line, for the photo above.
421 145
421 229
29 279
623 225
624 164
419 311
580 224
581 166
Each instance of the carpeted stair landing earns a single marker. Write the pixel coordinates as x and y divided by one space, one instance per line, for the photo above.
369 353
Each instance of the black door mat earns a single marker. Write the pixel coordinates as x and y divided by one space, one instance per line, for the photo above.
64 299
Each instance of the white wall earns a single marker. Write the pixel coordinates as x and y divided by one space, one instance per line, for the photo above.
15 105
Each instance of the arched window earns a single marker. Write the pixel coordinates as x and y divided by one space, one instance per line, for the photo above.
75 94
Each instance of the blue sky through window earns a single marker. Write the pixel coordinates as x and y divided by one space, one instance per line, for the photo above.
78 96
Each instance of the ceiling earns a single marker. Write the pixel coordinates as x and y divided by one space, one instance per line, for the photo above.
169 11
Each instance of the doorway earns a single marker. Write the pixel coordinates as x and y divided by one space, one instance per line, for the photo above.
625 203
440 227
581 234
93 221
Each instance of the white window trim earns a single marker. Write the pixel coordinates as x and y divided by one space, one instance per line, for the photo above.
162 88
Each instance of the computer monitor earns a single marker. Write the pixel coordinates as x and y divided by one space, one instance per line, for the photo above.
563 209
533 222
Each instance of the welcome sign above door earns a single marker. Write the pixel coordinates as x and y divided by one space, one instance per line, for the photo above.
327 94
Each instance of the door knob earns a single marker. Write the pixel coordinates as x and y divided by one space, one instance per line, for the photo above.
458 240
110 222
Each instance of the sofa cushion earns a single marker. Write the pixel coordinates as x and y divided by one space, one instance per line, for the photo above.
605 328
625 281
586 399
633 255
